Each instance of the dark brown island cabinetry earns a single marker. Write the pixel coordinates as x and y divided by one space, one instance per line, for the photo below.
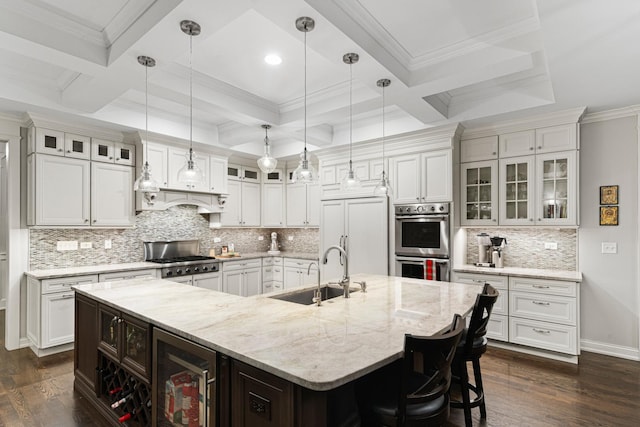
162 379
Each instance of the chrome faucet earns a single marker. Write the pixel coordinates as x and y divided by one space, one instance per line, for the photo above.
344 282
318 297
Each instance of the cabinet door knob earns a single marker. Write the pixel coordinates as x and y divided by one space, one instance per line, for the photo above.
110 158
60 149
494 153
95 220
539 147
86 220
530 148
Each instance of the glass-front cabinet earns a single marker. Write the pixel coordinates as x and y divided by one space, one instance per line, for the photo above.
556 194
184 382
479 193
516 191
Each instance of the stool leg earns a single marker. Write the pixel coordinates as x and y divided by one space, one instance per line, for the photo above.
480 390
464 390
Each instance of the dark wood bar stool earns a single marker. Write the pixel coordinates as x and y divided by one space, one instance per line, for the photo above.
471 347
414 392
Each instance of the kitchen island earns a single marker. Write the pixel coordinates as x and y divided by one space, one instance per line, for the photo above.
310 352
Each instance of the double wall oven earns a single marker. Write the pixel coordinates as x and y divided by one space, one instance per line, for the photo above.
422 241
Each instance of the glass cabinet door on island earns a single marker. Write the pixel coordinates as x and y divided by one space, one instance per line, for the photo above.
184 382
480 193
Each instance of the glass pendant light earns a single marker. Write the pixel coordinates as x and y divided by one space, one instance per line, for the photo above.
267 163
190 173
305 172
384 186
145 183
350 181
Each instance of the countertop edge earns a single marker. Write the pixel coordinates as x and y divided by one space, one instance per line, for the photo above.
534 273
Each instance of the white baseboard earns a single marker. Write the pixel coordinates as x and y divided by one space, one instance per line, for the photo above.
3 303
569 358
25 342
629 353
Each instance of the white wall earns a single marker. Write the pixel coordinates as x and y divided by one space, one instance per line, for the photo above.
609 291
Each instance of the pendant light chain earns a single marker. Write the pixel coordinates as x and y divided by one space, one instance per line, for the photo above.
305 95
146 115
190 97
350 113
383 133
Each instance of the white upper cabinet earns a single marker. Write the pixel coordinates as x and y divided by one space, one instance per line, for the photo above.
556 202
58 143
158 158
477 149
275 177
539 141
218 174
111 195
177 159
303 205
517 194
243 173
425 177
112 152
273 205
479 193
242 207
60 192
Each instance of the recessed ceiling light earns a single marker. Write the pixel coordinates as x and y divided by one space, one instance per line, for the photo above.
273 59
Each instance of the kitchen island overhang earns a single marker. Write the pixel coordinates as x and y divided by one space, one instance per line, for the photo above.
319 348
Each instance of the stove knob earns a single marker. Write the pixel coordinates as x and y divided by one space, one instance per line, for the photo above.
433 208
196 269
205 268
420 209
169 273
187 270
178 271
441 208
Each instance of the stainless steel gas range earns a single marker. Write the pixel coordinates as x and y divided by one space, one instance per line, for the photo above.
179 258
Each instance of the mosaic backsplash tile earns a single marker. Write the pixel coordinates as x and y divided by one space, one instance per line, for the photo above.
176 223
525 247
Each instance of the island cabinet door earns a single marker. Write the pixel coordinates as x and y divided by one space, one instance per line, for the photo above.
260 399
184 377
86 340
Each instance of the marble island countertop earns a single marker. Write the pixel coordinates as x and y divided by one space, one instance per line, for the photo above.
319 348
52 273
535 273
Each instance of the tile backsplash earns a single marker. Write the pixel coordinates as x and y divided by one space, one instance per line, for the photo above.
176 223
525 247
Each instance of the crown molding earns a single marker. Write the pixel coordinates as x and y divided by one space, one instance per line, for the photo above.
543 120
618 113
37 120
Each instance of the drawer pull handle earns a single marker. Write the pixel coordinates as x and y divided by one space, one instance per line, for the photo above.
67 296
540 302
541 331
478 281
541 286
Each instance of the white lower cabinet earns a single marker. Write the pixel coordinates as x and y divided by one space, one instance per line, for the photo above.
242 278
295 273
539 313
498 328
50 312
272 274
212 281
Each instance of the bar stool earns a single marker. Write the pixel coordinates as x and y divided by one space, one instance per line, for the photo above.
471 347
413 396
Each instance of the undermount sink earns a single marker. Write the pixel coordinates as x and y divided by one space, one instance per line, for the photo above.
305 296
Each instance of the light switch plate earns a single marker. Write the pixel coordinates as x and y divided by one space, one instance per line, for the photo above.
289 238
217 240
85 245
107 244
551 245
609 248
260 237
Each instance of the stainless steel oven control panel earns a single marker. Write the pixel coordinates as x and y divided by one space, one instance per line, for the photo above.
422 209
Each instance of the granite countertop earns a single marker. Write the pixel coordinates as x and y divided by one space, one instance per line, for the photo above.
535 273
319 348
52 273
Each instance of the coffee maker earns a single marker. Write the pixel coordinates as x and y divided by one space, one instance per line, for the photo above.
484 244
497 247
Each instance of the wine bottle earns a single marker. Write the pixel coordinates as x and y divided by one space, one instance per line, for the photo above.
115 390
124 399
134 411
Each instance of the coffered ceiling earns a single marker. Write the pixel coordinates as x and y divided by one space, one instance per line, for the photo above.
449 61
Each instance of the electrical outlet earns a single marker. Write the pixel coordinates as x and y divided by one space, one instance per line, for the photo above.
107 244
290 238
67 245
609 248
217 240
86 245
551 245
260 237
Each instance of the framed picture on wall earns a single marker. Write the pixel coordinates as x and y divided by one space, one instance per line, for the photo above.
609 195
608 215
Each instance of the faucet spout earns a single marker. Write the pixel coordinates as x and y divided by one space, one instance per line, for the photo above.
318 298
344 282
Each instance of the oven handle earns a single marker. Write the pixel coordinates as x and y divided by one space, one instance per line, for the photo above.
421 260
431 217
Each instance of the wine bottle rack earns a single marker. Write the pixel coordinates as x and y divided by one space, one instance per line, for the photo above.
112 376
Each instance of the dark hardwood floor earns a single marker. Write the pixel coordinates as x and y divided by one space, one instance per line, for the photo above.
521 390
